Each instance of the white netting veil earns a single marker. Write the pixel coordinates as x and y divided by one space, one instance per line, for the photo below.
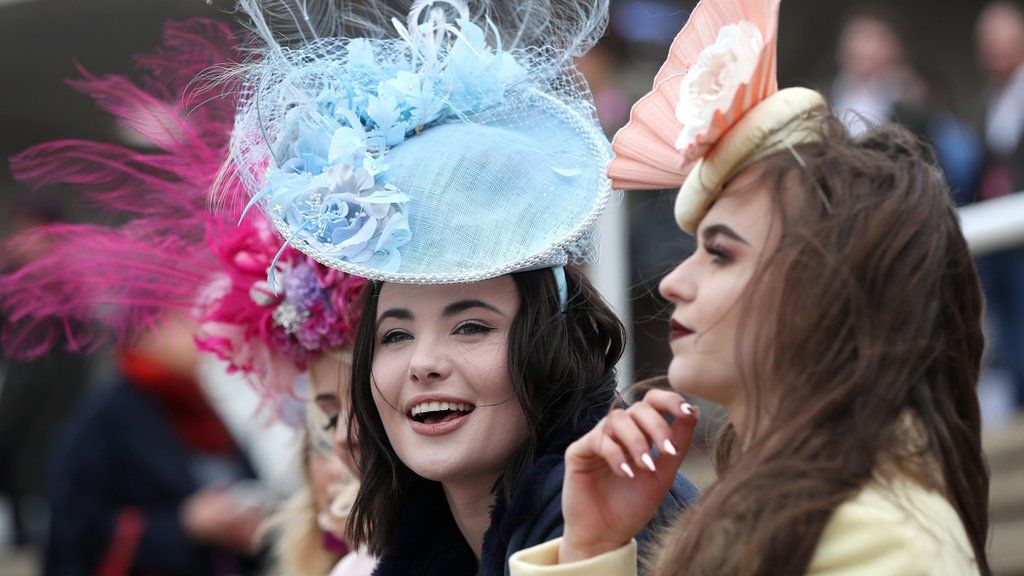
449 150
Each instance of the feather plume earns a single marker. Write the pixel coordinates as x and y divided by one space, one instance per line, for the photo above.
91 283
569 27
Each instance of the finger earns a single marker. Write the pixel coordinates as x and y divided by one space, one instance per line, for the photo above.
615 457
654 425
596 449
667 401
631 437
681 438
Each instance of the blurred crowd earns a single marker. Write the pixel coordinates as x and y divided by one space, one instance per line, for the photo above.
982 157
140 425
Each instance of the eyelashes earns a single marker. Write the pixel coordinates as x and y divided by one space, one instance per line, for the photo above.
393 336
718 255
331 424
468 328
471 328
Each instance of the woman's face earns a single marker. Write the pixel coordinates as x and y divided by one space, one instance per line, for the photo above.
331 378
327 477
440 377
706 290
868 47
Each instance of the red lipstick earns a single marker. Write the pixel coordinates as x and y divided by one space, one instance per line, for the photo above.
677 330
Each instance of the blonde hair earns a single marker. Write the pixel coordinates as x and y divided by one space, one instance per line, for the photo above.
300 548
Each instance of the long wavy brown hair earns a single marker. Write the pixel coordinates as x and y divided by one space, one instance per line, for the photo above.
874 323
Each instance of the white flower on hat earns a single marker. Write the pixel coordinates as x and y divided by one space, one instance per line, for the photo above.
711 84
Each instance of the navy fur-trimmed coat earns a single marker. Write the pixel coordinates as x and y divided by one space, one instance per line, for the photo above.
427 541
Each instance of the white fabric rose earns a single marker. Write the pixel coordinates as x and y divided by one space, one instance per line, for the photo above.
711 84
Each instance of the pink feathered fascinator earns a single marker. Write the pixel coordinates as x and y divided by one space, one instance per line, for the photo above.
175 249
715 108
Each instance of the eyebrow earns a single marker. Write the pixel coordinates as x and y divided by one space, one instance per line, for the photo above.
449 310
325 397
463 305
398 313
723 230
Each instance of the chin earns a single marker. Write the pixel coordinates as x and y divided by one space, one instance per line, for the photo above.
690 381
438 468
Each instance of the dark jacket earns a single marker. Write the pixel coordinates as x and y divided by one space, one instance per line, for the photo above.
428 542
121 473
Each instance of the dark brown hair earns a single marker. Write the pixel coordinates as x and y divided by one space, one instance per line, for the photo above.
866 361
562 372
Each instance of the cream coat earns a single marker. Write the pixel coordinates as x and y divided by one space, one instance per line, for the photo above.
895 528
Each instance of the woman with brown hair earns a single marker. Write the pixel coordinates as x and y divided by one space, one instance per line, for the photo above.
832 307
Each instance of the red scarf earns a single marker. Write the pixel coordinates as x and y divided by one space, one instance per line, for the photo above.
181 398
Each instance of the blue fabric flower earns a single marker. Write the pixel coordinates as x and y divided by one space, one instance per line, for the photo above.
333 146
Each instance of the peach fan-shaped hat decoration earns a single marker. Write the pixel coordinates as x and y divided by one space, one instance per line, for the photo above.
715 108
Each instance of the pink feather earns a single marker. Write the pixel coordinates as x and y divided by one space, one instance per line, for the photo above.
87 284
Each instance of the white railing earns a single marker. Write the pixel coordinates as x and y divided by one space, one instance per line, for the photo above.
994 225
611 276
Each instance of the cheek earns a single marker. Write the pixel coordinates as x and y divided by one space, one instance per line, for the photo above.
386 392
322 473
488 373
386 376
485 369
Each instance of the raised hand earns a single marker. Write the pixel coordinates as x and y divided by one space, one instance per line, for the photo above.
613 483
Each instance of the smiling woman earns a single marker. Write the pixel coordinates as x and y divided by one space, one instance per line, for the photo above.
465 399
440 376
454 158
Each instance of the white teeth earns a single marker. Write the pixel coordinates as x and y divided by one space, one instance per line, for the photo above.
424 407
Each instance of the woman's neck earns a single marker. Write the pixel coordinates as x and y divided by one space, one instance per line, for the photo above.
471 502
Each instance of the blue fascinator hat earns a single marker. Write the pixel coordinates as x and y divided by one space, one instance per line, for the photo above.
451 143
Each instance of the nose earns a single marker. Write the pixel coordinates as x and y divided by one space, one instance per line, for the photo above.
680 284
429 363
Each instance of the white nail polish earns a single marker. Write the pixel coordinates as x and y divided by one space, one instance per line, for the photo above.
687 409
629 471
649 462
669 447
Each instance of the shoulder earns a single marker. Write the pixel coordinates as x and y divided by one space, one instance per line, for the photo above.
894 528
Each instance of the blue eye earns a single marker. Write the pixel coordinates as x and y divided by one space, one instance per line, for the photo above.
472 328
392 336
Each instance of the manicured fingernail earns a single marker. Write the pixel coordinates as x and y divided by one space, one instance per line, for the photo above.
687 409
629 471
649 462
669 447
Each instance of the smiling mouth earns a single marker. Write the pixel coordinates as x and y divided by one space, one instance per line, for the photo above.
439 412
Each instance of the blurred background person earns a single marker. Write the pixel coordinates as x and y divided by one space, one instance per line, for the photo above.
1000 47
35 397
878 82
312 539
147 479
